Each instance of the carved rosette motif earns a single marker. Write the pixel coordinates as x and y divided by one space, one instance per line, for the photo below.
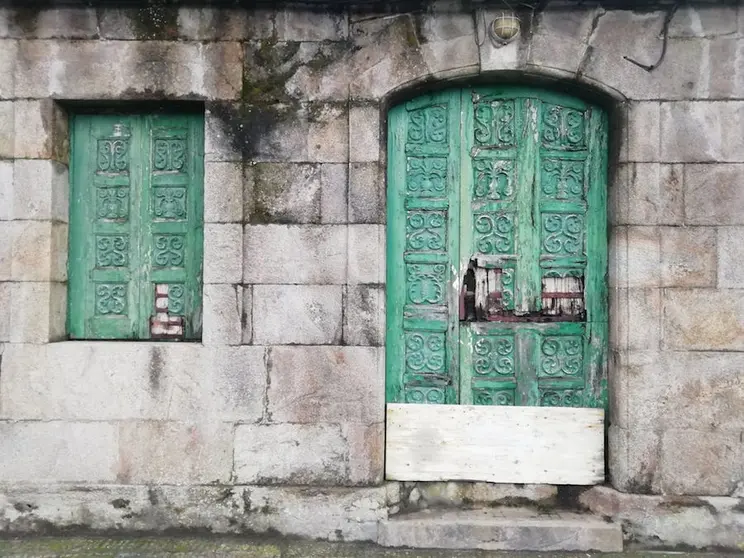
493 123
493 179
426 231
563 233
494 355
169 202
507 288
563 128
111 298
425 353
425 283
426 177
168 250
561 398
112 203
494 233
488 396
561 356
420 394
562 180
169 154
112 251
176 303
112 155
428 126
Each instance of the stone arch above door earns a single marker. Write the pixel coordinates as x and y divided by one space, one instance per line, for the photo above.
409 51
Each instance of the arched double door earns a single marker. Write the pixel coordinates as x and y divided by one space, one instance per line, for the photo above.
497 252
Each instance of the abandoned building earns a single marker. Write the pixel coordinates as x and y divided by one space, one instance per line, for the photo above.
449 274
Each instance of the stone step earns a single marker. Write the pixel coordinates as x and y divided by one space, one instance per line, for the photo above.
501 528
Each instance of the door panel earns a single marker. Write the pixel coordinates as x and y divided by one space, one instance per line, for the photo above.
497 249
424 148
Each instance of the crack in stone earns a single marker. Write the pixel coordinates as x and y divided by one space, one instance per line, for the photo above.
589 40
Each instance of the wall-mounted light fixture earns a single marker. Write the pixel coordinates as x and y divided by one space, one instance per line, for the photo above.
504 29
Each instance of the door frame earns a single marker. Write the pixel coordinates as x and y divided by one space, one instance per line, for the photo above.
596 247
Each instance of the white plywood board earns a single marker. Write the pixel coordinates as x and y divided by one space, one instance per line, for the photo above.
551 445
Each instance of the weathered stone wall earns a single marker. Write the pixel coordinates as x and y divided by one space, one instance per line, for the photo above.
287 386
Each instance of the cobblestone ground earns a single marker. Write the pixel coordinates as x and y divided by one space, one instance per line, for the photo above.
186 547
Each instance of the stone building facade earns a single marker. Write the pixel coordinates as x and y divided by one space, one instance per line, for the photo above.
276 418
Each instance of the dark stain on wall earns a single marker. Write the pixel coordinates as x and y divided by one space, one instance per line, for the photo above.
157 21
155 368
25 20
120 503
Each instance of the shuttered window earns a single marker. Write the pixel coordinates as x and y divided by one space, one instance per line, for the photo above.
136 226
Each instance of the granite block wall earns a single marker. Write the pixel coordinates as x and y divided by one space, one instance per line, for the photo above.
287 385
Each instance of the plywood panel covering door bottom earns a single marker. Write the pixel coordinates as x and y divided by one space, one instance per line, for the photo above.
531 445
496 292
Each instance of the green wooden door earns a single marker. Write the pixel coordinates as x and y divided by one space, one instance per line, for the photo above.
497 249
136 231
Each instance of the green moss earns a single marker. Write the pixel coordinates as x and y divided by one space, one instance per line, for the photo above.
263 91
157 21
410 35
261 214
267 72
328 53
315 111
270 64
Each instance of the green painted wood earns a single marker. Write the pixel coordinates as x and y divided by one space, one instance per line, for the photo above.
135 221
453 246
467 338
526 375
528 273
466 242
527 180
596 274
103 215
423 159
395 250
172 218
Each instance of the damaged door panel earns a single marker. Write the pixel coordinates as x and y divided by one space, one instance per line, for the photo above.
507 186
563 295
488 292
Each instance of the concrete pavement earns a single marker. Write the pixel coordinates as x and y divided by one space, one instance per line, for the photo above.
233 547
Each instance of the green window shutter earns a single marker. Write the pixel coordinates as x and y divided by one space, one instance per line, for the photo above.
135 222
172 229
530 249
104 219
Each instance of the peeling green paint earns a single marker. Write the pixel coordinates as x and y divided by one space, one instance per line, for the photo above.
509 183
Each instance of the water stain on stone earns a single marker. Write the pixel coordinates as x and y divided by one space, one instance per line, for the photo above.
155 368
339 357
120 503
152 496
24 507
25 19
248 124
